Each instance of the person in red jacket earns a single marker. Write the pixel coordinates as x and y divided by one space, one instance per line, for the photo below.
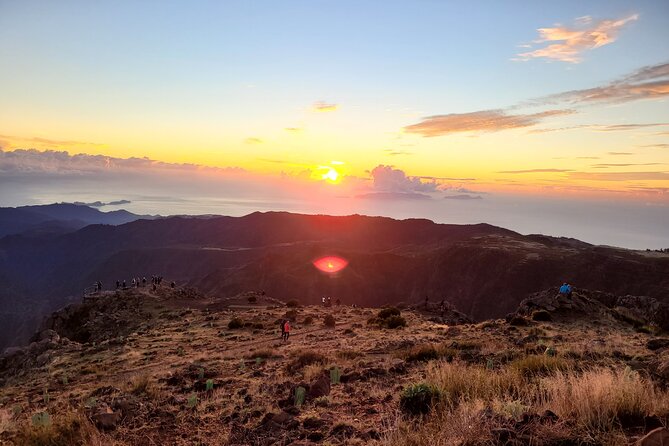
286 330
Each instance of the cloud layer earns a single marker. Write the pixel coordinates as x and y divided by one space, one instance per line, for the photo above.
480 121
567 44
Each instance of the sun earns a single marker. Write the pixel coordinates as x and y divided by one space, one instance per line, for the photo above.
331 175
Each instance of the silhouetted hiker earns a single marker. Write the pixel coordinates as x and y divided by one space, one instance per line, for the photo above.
283 328
426 300
173 284
124 284
323 300
337 302
329 302
118 284
143 281
286 330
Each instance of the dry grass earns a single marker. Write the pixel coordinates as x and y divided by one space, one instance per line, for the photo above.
458 382
600 399
69 429
595 404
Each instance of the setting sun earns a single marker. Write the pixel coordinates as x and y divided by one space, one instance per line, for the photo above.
331 175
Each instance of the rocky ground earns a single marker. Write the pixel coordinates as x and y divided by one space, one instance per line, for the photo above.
178 368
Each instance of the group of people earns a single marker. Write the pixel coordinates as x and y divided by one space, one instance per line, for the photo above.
327 301
285 329
137 282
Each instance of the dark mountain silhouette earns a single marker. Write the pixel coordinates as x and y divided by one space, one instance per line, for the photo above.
58 218
485 271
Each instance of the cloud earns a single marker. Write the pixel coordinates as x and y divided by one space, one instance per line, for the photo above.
657 146
480 121
322 106
650 82
535 171
620 176
607 165
293 129
463 197
566 44
394 196
587 157
26 161
9 142
252 140
601 127
620 153
388 179
392 152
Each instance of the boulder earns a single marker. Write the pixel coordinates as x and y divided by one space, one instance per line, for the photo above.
657 437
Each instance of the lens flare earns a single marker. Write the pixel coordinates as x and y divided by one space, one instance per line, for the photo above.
330 264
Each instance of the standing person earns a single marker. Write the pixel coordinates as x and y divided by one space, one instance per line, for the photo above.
124 284
569 291
118 284
426 300
144 281
323 300
283 329
286 330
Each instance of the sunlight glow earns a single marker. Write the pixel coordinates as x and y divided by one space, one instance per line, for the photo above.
330 264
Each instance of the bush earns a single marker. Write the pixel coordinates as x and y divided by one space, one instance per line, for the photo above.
429 352
387 312
329 321
422 353
539 365
252 299
308 320
542 316
235 323
305 359
291 315
395 322
418 399
67 430
293 303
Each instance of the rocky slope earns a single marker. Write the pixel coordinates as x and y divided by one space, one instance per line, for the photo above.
180 367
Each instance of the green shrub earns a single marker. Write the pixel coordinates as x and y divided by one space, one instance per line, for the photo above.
252 299
235 323
418 399
293 303
329 321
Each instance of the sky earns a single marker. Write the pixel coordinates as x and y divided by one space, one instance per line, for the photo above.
539 117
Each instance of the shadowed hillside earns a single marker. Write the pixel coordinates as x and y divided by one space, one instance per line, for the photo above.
483 270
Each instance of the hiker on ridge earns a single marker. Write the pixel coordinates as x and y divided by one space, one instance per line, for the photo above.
286 330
